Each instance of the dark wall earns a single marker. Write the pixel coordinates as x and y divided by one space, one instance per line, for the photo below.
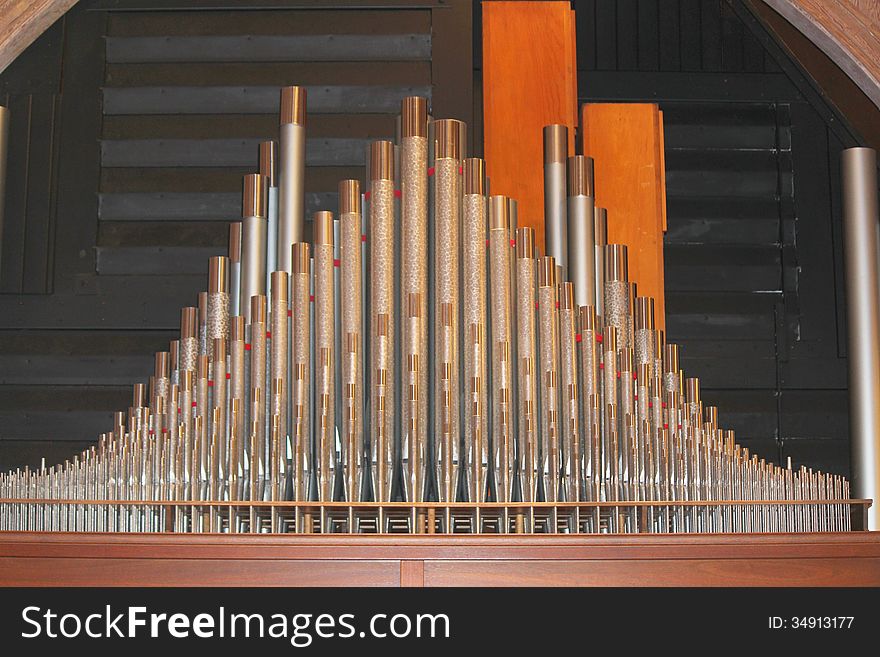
124 170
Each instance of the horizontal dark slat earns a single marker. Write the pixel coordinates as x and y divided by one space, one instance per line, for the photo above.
730 363
719 316
708 135
714 230
57 425
723 268
721 173
211 179
154 260
169 232
74 370
72 342
267 73
222 152
253 100
639 86
830 455
750 413
180 206
815 414
265 48
21 453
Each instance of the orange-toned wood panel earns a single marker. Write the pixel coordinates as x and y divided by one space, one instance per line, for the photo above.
625 141
529 81
844 559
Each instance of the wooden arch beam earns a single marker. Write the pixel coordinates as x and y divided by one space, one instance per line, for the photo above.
23 21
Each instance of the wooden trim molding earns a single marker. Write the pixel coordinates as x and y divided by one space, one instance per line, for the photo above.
848 31
23 21
38 559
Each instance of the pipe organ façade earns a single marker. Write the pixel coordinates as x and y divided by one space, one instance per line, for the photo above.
418 366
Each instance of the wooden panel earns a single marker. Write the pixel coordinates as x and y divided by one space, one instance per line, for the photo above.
851 559
625 142
528 82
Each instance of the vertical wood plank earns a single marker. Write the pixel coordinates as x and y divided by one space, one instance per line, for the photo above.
529 77
625 141
412 573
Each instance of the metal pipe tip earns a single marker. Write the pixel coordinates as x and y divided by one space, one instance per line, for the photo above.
659 343
587 318
279 286
670 358
161 364
258 308
566 296
268 155
692 387
381 160
186 380
547 271
322 228
580 176
616 268
293 105
299 257
600 226
499 213
236 328
349 197
626 360
447 138
711 413
174 350
644 319
253 196
218 274
525 242
555 143
235 241
189 327
414 116
219 347
138 395
203 307
203 365
474 176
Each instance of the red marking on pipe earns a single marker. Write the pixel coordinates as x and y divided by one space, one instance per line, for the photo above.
650 404
599 338
487 243
290 313
247 346
363 238
618 375
194 404
460 170
336 262
367 195
164 430
210 383
228 376
601 366
536 304
268 334
578 337
152 432
513 243
430 171
311 297
557 304
662 404
396 193
635 376
665 426
178 410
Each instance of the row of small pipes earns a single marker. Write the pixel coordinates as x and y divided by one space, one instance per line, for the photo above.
420 348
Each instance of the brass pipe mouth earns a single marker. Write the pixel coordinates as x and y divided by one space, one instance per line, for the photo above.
692 385
299 257
447 138
189 327
322 228
626 360
381 160
219 347
174 351
203 367
218 278
236 328
670 358
268 159
644 319
235 241
525 242
580 176
547 271
587 315
600 226
499 213
616 268
186 380
566 296
349 197
609 338
203 307
253 196
659 343
258 308
138 395
711 413
555 143
414 117
279 286
474 176
293 105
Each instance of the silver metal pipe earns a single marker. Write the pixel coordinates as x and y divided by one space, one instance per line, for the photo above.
600 235
234 268
860 223
581 240
268 165
291 173
325 351
555 215
253 243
